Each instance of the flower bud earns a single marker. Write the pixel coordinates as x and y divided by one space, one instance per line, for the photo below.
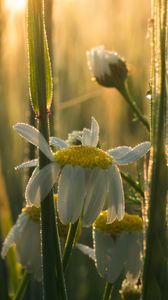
107 67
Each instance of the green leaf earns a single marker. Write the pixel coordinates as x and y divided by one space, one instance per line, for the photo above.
40 74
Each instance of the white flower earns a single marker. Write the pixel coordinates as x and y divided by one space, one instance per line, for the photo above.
86 175
117 247
25 234
108 68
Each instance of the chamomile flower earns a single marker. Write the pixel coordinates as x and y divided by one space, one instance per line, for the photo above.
86 175
117 247
25 234
107 67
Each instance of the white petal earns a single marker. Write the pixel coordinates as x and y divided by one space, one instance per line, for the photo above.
90 137
120 151
135 154
9 241
40 185
111 254
86 137
71 192
94 133
14 234
133 263
95 197
116 206
33 136
57 142
86 250
28 164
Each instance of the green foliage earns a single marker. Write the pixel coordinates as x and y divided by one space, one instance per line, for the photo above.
40 75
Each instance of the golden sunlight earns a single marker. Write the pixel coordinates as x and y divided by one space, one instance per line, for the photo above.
15 5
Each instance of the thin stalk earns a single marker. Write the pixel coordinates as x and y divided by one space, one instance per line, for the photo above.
117 286
155 273
107 291
132 183
50 238
69 243
112 289
126 94
41 96
22 287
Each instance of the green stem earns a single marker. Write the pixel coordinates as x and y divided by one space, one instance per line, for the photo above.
41 91
22 287
107 291
69 243
50 237
117 286
132 183
126 94
155 273
111 290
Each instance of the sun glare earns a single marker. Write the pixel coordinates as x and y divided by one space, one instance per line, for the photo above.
15 5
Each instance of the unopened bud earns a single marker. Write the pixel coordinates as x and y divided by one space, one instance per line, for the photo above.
107 67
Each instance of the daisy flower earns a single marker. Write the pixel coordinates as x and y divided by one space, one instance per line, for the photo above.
107 67
117 247
25 234
86 175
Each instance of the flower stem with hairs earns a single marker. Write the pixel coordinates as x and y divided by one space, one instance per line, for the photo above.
41 93
22 287
127 96
69 243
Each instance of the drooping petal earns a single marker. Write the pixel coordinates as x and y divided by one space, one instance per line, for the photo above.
135 154
71 192
29 256
33 136
9 241
94 133
40 185
116 205
133 263
111 254
28 164
14 234
90 252
57 142
120 151
95 196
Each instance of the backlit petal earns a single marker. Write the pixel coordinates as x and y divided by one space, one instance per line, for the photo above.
71 191
133 263
33 136
94 133
96 195
9 241
57 142
28 164
86 137
135 154
90 252
40 185
111 254
118 152
116 206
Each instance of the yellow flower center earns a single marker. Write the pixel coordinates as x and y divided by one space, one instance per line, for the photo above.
83 156
129 223
33 212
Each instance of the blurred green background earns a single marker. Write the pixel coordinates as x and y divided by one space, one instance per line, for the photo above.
73 26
